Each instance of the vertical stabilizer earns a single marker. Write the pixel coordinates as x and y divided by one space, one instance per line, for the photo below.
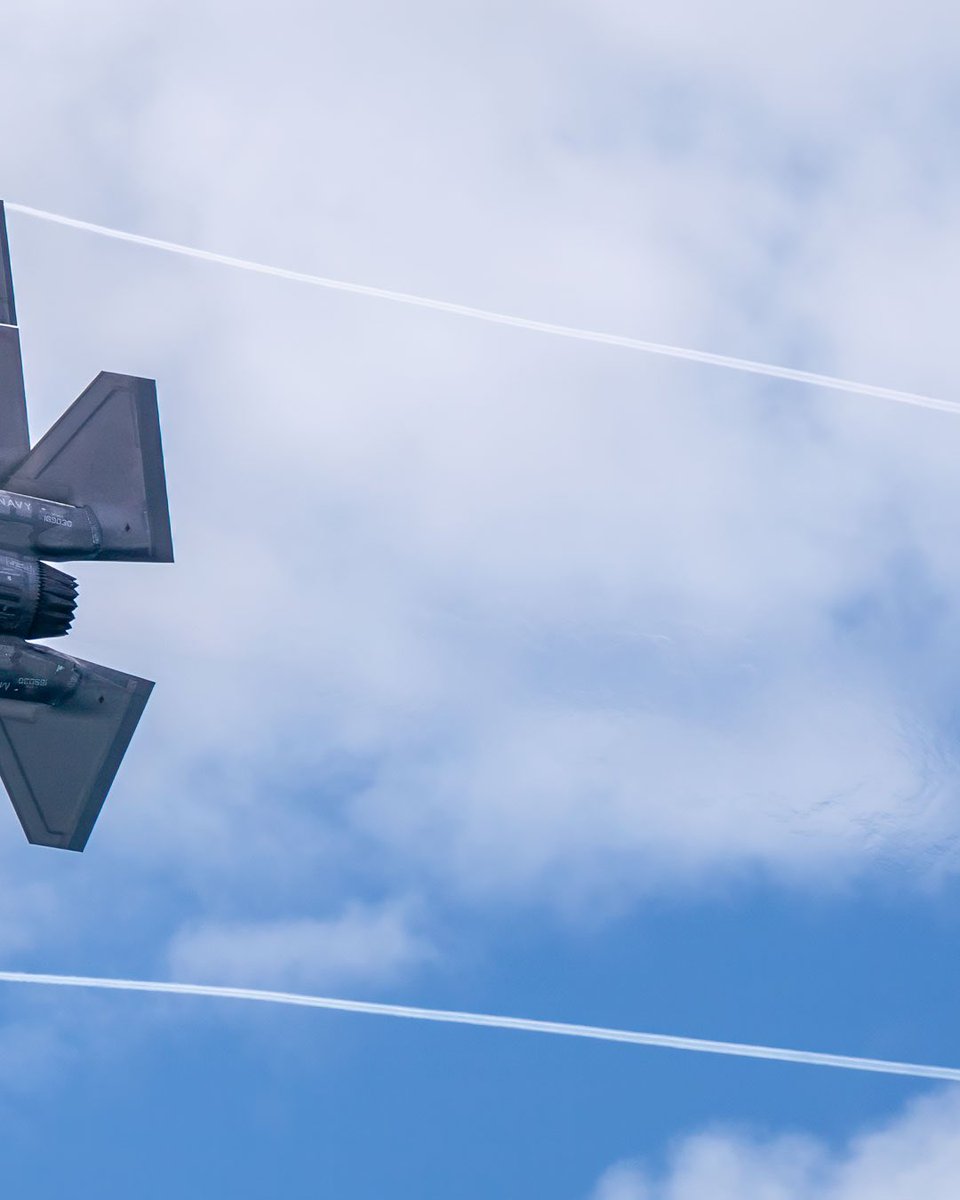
14 437
8 309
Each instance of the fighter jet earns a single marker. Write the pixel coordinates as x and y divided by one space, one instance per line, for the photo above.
93 487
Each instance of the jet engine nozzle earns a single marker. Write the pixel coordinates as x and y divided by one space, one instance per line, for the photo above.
36 600
56 604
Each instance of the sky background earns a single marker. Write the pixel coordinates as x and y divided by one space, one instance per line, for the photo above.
496 671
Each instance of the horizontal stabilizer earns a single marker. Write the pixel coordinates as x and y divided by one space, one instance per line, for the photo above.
58 761
105 452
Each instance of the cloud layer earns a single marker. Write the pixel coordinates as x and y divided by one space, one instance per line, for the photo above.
363 944
917 1154
461 608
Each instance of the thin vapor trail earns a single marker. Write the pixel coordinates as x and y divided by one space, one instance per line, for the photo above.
522 1024
481 314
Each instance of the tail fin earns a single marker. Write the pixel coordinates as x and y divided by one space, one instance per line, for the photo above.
8 309
14 438
58 761
105 452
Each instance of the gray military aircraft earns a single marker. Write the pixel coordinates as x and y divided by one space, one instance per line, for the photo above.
93 487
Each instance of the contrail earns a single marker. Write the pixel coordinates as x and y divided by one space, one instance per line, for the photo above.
481 314
522 1024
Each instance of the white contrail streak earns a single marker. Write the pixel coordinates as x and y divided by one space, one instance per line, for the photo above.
482 314
523 1024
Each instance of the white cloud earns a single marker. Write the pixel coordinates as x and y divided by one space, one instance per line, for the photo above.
363 944
916 1154
494 610
623 1181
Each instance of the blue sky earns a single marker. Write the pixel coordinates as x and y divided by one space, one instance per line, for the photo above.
497 672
